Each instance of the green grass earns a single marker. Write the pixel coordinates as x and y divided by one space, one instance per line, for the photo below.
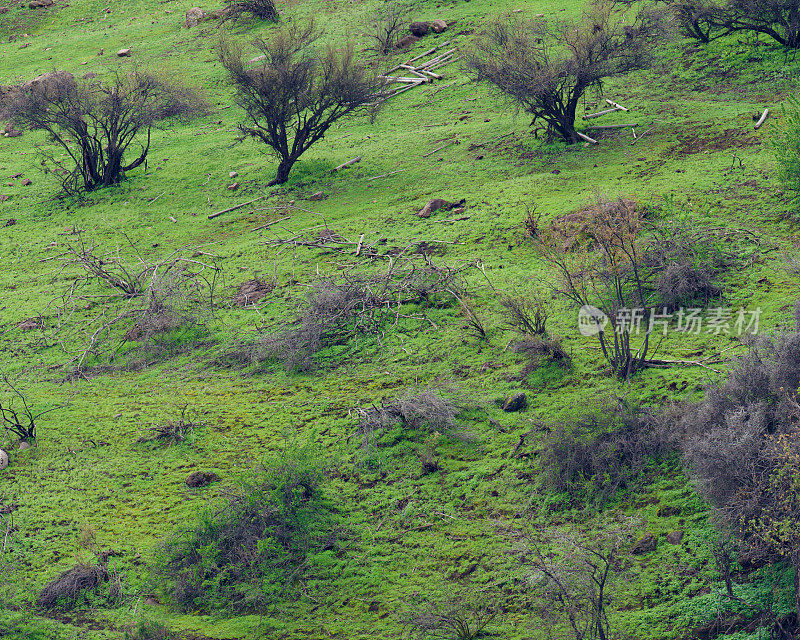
405 533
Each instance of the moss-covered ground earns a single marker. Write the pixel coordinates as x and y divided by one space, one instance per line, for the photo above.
405 534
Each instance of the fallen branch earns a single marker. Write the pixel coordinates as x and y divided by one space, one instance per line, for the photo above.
762 119
589 116
269 224
447 144
383 175
348 163
583 136
607 127
616 106
238 206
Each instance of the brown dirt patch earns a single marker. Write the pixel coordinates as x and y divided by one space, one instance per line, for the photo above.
252 291
704 138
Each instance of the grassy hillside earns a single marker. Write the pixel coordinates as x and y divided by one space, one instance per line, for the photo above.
403 534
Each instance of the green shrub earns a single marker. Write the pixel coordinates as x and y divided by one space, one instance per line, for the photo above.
787 151
253 547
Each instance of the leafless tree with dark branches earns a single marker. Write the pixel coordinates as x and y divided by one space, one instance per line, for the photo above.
98 123
295 92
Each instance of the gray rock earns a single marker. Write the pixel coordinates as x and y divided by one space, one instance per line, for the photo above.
124 53
645 544
517 402
194 16
201 479
438 26
675 537
3 459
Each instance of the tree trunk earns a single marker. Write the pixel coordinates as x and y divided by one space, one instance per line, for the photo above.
284 168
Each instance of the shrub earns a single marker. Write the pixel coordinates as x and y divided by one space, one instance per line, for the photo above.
71 586
597 455
175 431
465 616
97 123
150 630
528 315
546 70
787 150
539 350
261 9
294 94
253 547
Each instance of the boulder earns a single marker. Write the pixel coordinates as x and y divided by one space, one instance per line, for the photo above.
124 53
201 479
315 197
675 537
517 402
438 26
3 459
12 133
49 80
419 29
23 445
645 544
194 16
40 4
232 174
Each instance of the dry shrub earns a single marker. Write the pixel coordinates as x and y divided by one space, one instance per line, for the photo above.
175 431
600 453
528 315
261 9
386 24
150 630
464 616
539 351
69 587
425 409
349 307
723 437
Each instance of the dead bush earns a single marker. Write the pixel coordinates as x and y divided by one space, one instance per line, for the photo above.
354 305
117 296
527 314
260 9
464 616
593 457
175 431
150 630
425 409
67 590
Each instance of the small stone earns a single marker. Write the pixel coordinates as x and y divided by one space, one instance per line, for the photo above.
517 402
100 53
675 537
231 174
24 445
201 479
438 26
90 75
645 544
233 187
124 53
319 195
3 459
3 198
26 182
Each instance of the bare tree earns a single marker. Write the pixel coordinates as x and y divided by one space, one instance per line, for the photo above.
576 584
697 18
385 24
547 68
295 92
607 275
97 123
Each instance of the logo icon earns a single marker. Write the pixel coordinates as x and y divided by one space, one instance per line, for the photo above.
591 320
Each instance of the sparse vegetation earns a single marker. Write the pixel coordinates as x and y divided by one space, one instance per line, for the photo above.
260 9
254 547
787 151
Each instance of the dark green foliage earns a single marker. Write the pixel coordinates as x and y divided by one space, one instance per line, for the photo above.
261 9
252 548
787 151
